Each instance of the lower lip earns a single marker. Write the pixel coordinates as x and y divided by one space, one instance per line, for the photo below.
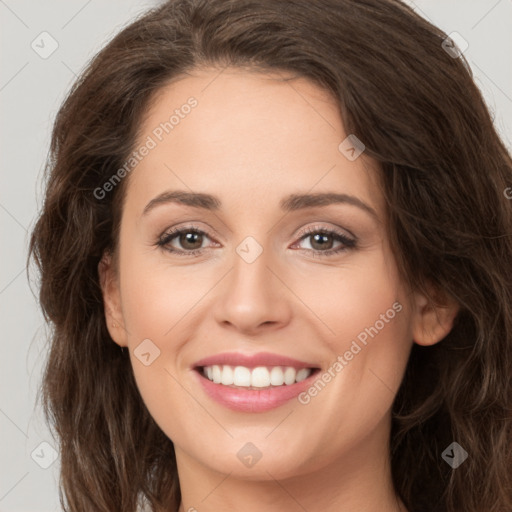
253 400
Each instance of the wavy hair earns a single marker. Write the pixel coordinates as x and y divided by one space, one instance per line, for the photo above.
444 174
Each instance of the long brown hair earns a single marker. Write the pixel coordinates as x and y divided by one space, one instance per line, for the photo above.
444 171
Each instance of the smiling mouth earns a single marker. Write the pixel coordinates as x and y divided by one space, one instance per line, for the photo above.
260 377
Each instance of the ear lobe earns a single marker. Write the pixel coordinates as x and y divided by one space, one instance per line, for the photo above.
433 320
109 284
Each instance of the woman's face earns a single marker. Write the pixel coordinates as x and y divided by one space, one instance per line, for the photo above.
289 258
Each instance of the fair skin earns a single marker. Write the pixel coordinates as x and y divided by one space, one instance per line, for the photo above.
251 141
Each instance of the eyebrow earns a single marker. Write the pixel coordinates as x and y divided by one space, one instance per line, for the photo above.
290 203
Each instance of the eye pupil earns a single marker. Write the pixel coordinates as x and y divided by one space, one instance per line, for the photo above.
321 236
191 237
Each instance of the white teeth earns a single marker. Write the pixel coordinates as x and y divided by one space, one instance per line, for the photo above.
289 375
227 376
216 374
276 376
259 377
302 374
242 376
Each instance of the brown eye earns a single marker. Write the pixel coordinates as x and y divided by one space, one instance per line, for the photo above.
185 241
322 240
190 240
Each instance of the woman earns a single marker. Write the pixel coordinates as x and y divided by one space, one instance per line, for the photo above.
338 335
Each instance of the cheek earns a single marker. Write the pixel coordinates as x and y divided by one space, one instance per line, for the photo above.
366 312
157 306
156 297
355 300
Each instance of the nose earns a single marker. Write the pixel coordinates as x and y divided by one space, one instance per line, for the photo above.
253 296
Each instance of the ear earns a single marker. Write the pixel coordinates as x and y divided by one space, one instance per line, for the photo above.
433 319
109 283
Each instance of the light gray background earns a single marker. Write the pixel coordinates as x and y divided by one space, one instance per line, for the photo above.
31 90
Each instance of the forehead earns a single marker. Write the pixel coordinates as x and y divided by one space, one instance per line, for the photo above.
246 134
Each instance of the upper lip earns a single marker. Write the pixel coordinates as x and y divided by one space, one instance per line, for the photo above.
252 360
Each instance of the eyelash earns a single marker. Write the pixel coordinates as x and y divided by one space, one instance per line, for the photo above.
348 243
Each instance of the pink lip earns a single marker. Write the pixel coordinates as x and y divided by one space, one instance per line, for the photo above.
253 400
252 360
248 399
